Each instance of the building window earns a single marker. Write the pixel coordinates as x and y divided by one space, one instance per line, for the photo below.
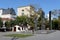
22 10
22 14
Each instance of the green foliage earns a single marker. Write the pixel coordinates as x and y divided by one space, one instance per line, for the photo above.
8 24
1 23
31 22
21 20
55 24
39 22
19 35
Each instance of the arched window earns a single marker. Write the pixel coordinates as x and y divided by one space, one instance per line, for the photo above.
18 28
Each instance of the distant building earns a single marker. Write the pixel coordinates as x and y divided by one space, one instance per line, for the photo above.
25 10
7 14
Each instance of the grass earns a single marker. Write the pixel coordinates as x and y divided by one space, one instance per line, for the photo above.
19 35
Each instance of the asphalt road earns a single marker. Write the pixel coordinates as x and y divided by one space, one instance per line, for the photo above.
51 36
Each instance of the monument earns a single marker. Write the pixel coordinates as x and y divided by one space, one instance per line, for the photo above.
4 28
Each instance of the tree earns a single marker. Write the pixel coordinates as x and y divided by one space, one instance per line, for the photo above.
8 24
13 23
55 24
46 23
21 20
31 22
59 22
55 13
42 17
1 23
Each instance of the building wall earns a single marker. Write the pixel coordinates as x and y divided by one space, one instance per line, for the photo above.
6 13
6 16
24 11
1 11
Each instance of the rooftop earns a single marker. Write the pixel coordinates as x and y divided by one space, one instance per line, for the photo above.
26 6
8 11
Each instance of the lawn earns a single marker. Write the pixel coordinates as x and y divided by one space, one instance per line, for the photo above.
19 35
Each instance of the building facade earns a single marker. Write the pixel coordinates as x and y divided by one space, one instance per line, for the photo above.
25 10
7 14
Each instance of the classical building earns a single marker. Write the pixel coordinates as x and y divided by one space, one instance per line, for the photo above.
7 14
25 10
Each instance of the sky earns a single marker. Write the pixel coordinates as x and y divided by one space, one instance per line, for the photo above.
46 5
